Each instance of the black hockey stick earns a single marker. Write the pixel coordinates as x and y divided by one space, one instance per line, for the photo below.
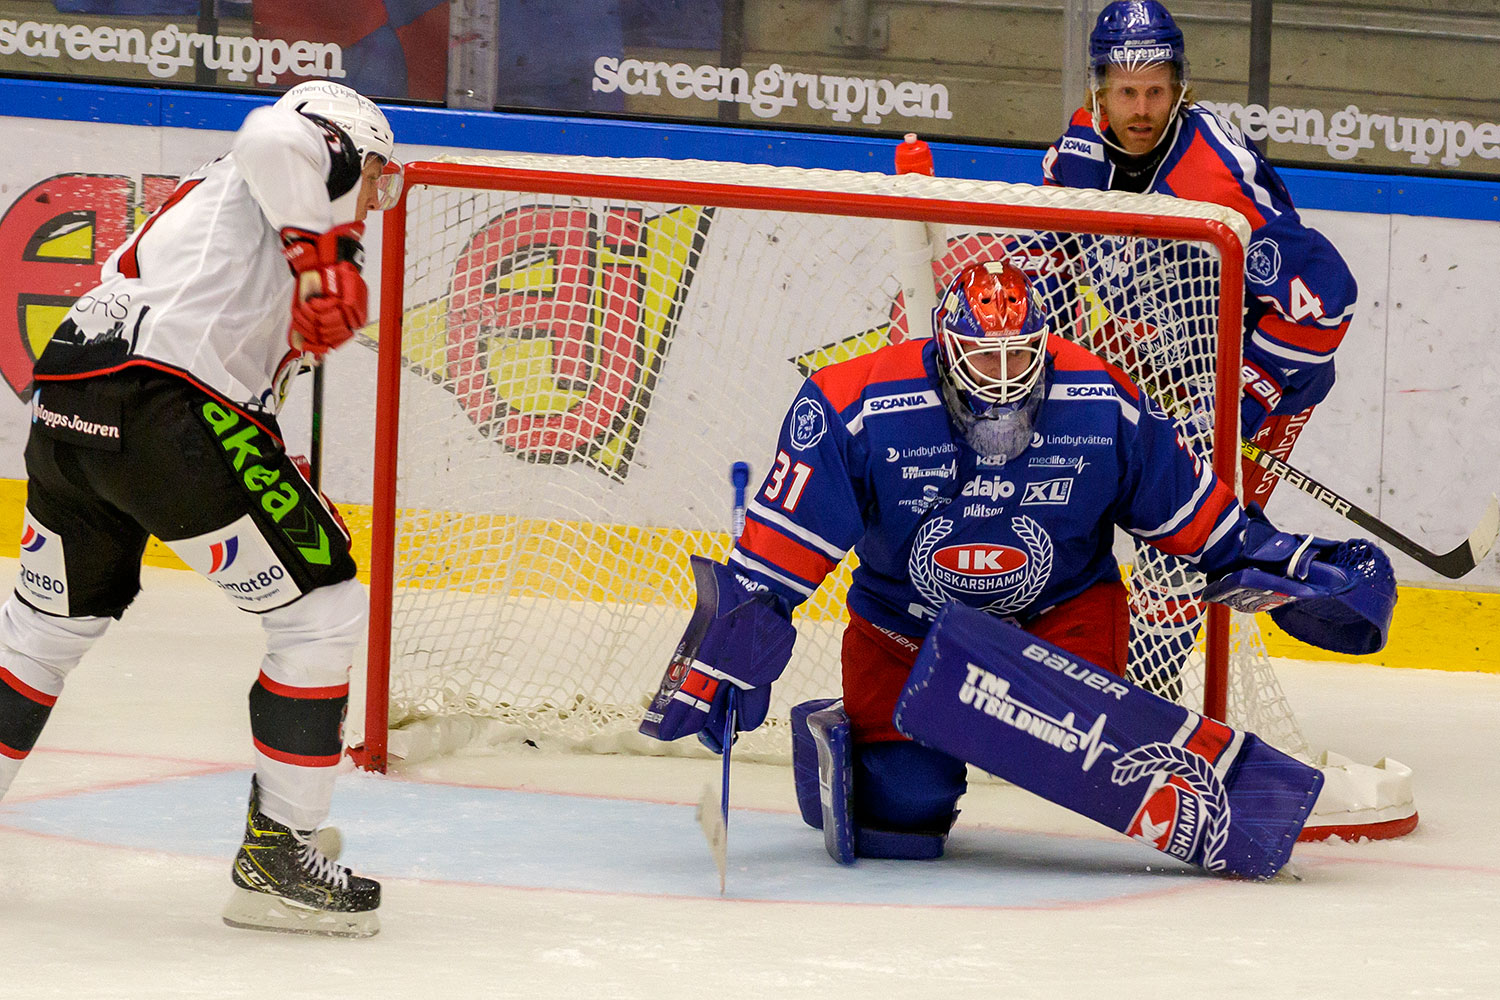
1453 564
315 435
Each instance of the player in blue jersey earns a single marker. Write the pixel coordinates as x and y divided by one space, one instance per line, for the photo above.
987 465
1142 132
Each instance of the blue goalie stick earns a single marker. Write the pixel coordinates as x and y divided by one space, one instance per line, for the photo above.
715 824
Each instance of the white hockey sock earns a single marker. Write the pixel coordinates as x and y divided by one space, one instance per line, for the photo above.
294 795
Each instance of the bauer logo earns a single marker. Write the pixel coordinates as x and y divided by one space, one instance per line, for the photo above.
557 324
1075 671
809 424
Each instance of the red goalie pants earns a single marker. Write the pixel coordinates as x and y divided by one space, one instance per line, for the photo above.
1093 626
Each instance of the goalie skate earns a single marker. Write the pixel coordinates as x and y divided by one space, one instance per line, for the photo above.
284 881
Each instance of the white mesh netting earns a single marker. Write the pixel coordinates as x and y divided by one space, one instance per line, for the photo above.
580 371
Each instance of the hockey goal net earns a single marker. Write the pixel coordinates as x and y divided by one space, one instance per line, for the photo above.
573 351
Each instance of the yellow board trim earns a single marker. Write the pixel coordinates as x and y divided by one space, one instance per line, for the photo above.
1433 629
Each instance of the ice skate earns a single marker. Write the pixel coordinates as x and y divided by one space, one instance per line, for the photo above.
283 881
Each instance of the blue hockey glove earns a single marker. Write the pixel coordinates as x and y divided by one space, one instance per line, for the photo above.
738 640
1332 594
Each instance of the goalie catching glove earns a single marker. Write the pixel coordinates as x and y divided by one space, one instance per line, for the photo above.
1331 594
737 639
330 300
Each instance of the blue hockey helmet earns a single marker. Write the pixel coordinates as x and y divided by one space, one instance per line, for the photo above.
1136 34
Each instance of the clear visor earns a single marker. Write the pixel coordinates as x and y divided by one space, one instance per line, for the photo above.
388 187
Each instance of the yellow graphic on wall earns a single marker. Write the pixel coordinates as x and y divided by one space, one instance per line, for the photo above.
555 326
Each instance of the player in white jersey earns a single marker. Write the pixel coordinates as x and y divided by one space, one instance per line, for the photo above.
155 414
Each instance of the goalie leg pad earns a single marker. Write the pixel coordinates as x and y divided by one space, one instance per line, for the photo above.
834 745
1020 708
805 762
904 798
902 785
827 769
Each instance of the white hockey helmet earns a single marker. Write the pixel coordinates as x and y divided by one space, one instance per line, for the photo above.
361 119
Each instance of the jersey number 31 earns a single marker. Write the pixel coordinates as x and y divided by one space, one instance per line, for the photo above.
778 480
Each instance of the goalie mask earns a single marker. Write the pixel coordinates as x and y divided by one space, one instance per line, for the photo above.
1135 36
361 121
991 331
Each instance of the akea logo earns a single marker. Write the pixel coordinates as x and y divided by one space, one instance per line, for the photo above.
557 324
245 444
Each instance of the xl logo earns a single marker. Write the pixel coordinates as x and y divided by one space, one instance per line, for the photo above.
1051 491
558 323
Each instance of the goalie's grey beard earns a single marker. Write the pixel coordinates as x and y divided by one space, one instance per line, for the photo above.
1003 432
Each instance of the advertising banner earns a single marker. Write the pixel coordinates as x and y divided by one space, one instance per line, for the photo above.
383 48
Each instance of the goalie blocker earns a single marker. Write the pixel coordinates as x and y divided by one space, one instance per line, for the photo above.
1023 710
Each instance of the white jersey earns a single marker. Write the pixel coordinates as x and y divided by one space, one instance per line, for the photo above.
202 288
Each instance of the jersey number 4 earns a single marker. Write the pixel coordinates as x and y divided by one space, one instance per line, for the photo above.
1304 302
799 475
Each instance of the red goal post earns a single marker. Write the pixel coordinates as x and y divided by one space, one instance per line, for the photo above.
469 249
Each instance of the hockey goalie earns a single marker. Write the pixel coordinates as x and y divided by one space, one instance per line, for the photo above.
978 476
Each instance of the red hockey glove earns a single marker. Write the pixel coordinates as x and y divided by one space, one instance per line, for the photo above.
330 301
305 467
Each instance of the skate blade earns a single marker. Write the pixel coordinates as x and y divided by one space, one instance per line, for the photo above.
261 911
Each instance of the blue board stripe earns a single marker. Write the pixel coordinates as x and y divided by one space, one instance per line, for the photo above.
1334 190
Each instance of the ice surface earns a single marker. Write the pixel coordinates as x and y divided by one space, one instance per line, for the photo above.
523 874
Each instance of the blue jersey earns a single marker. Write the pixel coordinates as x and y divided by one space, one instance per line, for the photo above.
1298 290
869 460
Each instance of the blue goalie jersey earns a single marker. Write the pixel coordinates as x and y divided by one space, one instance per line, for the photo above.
869 460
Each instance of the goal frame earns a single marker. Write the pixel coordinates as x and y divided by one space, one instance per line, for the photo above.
373 753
